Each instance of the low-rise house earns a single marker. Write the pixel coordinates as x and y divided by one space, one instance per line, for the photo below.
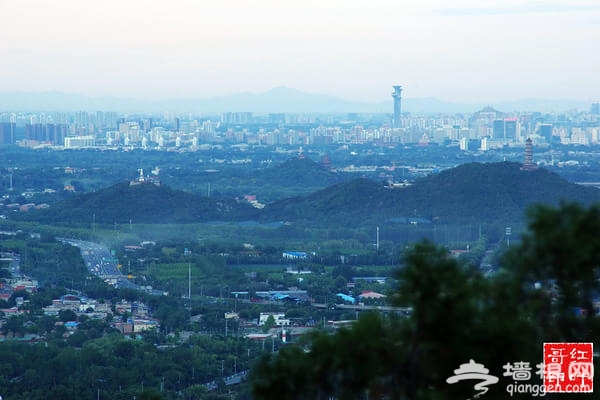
52 310
123 306
124 327
346 298
295 271
140 325
232 315
371 295
71 325
87 307
140 309
370 279
29 285
11 311
279 318
294 255
103 307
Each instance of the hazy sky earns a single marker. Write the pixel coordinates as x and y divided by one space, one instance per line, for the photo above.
463 51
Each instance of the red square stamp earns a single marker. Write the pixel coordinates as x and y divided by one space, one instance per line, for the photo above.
568 367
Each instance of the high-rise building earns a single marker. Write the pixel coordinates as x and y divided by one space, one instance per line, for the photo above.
510 129
397 96
35 131
56 133
7 132
595 109
46 133
498 129
505 129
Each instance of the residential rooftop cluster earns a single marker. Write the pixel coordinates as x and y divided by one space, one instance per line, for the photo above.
134 316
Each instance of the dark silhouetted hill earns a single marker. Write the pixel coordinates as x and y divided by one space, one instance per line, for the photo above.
493 193
143 203
347 203
298 171
472 192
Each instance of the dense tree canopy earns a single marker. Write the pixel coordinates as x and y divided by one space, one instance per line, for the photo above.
457 315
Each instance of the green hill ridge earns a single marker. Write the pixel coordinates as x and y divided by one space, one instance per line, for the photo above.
474 192
480 192
143 203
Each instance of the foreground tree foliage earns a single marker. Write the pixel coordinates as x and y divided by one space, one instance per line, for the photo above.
457 315
117 367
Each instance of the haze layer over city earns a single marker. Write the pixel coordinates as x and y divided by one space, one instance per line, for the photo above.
464 51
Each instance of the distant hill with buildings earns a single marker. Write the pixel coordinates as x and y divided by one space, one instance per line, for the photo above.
474 192
489 191
142 203
276 100
301 171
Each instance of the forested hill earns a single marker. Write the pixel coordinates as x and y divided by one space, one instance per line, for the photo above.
143 203
294 177
470 192
298 170
346 203
490 191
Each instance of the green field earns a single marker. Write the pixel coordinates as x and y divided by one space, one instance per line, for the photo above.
207 276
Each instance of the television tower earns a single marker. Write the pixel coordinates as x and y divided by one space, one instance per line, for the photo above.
397 96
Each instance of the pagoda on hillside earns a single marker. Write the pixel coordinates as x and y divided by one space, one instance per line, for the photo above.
529 165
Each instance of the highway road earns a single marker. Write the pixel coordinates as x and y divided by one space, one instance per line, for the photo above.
100 262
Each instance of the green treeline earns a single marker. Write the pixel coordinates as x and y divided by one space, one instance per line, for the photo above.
118 367
543 292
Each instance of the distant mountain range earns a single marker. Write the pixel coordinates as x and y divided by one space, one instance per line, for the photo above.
281 99
469 193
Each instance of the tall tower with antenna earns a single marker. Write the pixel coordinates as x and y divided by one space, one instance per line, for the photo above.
397 96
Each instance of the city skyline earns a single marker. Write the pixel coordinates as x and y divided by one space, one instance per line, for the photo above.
459 51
